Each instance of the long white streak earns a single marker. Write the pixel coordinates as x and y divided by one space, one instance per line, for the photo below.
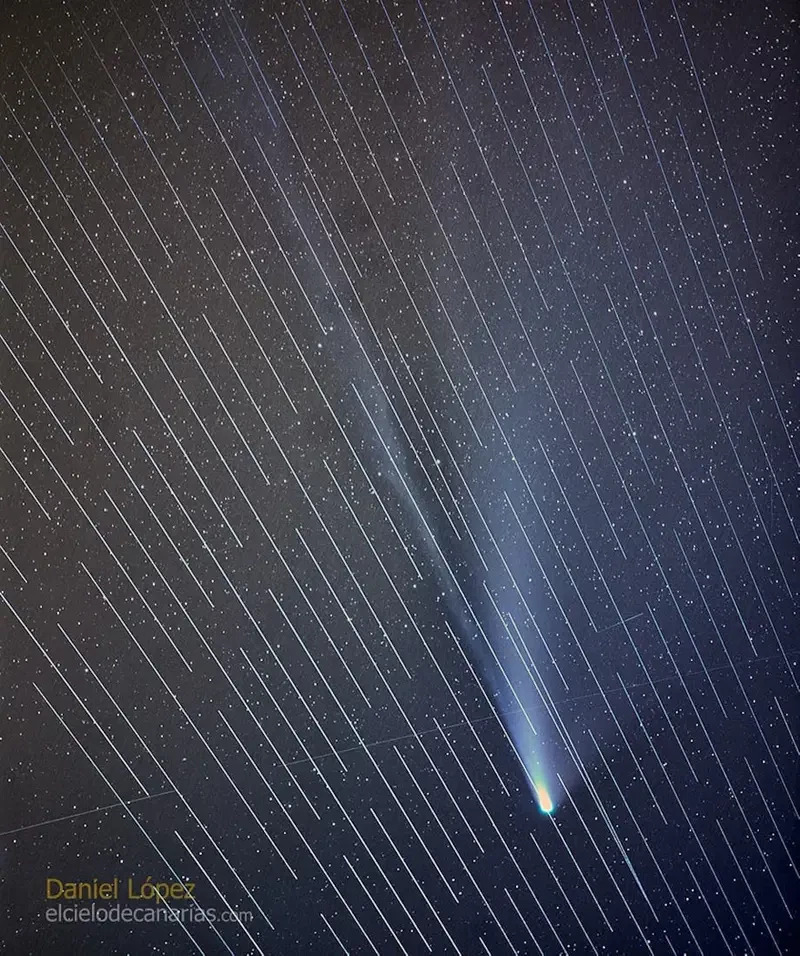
460 858
75 694
124 805
378 909
538 116
66 201
349 105
747 883
716 139
191 723
218 891
25 484
35 387
117 166
144 65
13 564
44 292
299 833
415 881
595 77
167 777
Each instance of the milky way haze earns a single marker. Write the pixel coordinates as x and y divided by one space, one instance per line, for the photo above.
401 475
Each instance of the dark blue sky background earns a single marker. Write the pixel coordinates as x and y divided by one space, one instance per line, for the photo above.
400 415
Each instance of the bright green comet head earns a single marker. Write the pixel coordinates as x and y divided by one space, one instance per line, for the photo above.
543 798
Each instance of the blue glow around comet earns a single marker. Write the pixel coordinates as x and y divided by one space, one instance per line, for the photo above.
482 606
526 726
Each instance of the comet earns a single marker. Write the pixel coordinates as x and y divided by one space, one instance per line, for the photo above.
483 602
543 798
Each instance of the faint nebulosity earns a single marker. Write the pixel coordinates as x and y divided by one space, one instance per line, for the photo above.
401 473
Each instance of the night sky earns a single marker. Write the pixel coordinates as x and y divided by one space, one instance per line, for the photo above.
401 476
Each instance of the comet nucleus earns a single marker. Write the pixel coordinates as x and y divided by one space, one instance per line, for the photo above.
543 798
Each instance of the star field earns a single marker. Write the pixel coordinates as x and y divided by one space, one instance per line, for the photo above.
400 473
